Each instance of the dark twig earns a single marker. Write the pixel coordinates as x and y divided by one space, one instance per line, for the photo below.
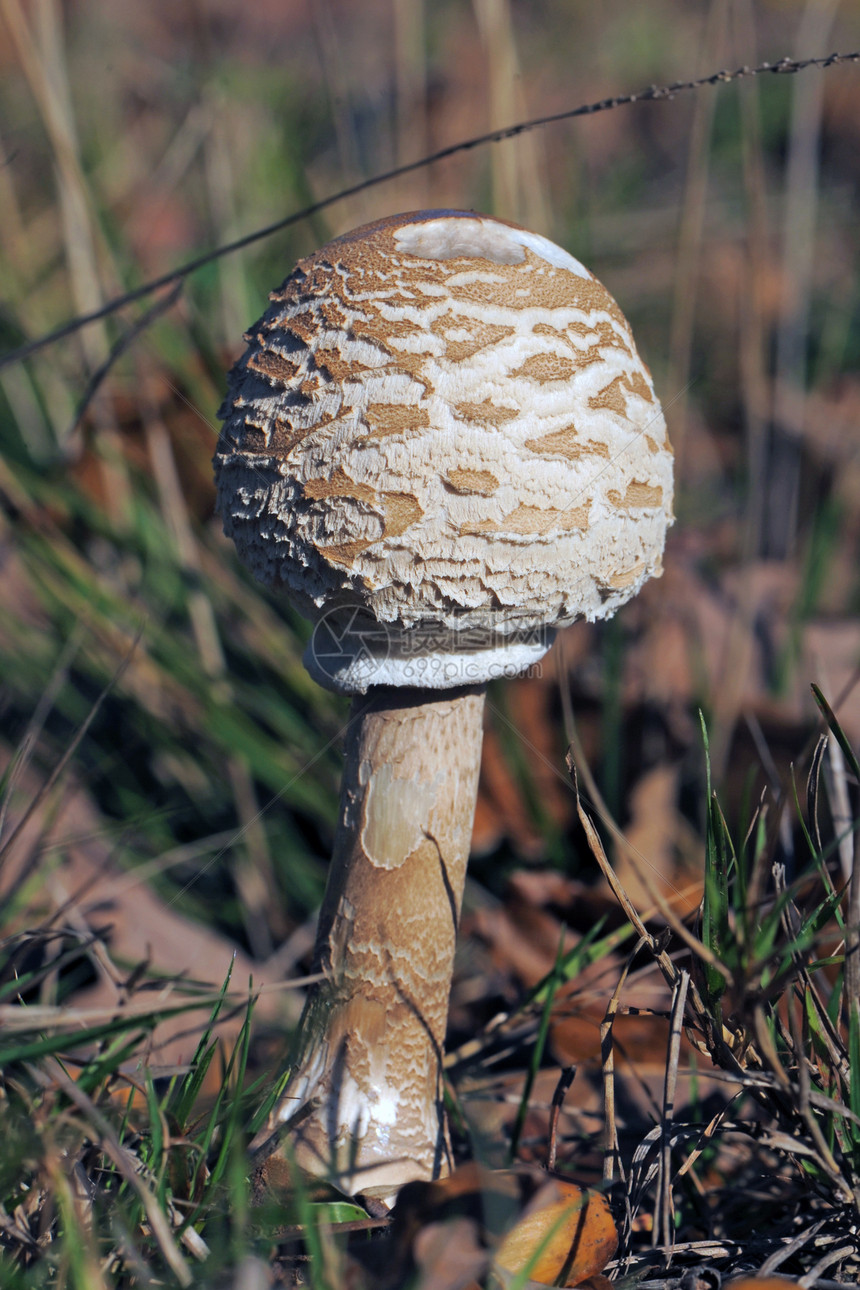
565 1080
653 94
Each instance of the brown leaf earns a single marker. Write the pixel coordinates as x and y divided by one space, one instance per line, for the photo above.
470 1191
134 923
501 811
565 1231
523 940
658 837
449 1255
760 1283
516 1208
524 933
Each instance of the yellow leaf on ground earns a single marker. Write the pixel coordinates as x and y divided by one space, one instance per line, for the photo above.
565 1235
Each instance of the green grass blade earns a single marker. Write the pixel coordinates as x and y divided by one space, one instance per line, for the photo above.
557 979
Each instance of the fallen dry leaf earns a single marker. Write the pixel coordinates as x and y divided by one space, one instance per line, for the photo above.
501 811
565 1235
514 1209
760 1283
449 1255
471 1191
135 925
660 840
438 1229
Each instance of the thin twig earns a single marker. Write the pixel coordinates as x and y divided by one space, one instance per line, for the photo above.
653 94
565 1080
119 348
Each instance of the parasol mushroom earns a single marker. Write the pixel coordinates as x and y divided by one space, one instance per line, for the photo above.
441 445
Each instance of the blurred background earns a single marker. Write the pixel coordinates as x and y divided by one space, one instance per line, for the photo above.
179 768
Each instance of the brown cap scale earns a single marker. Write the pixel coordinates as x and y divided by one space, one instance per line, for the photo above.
442 445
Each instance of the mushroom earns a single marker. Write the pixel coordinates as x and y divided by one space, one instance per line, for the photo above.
441 445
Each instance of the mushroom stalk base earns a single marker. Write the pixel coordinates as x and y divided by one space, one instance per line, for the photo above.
365 1097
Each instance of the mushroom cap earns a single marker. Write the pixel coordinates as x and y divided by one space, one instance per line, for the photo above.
442 445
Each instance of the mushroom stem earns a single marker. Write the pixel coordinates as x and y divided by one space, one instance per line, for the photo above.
367 1082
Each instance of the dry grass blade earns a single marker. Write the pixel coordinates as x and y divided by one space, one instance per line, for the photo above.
27 744
707 1136
782 499
664 962
828 1260
792 1097
691 231
664 1216
577 764
827 1031
813 789
779 1256
68 753
803 1101
611 1153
